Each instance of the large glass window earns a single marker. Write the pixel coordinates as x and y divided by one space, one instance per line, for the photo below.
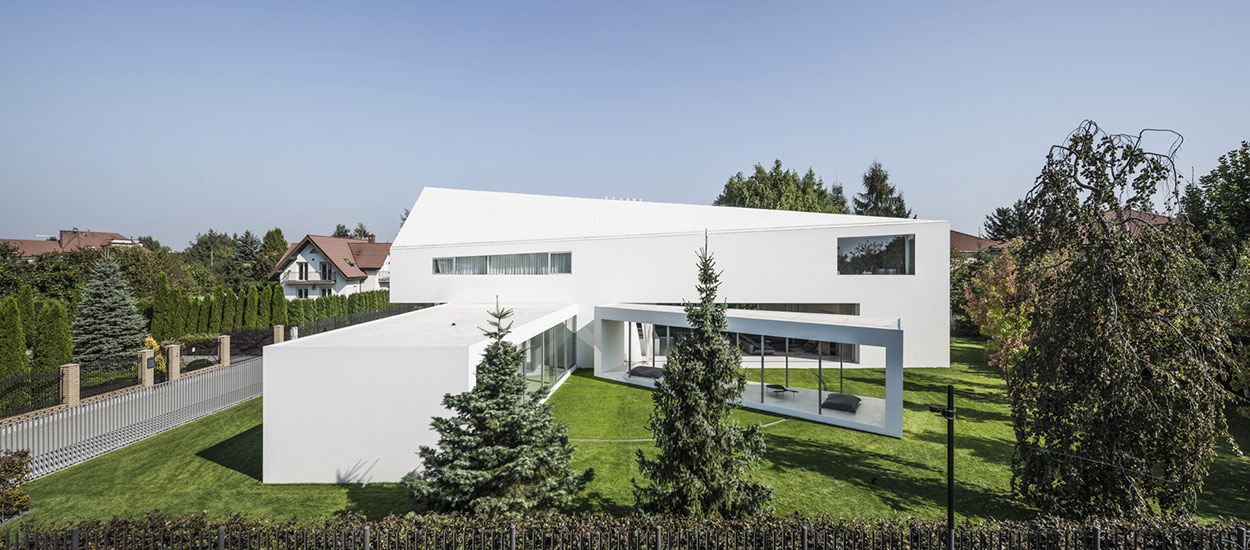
879 255
549 354
534 263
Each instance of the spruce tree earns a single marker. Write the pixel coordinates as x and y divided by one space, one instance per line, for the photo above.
705 458
502 452
12 358
108 327
250 317
278 312
880 198
263 306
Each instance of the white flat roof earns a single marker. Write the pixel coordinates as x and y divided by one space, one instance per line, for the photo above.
443 217
826 319
447 325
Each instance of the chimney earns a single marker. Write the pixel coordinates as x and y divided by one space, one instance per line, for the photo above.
372 237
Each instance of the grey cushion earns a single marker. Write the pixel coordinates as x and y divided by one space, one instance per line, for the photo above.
841 402
646 372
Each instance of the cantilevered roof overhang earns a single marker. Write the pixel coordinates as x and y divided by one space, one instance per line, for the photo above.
610 338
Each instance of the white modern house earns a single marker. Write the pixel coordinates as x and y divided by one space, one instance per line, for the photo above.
598 284
318 265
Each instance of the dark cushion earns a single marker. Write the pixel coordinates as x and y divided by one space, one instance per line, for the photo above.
841 402
646 372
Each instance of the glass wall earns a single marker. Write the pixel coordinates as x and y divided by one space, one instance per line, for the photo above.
536 263
549 354
881 255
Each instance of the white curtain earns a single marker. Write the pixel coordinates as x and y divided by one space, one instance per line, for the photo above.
519 264
561 262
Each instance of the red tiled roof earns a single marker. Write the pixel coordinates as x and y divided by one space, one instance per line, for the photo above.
29 248
78 240
970 244
349 256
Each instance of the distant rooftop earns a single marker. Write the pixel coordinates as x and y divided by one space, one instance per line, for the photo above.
69 240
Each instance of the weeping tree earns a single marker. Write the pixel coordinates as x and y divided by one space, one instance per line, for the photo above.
705 459
502 452
1117 399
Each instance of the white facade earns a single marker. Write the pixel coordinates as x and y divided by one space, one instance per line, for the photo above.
639 252
354 404
332 282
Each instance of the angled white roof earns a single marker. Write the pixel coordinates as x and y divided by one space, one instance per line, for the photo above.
455 216
824 319
447 325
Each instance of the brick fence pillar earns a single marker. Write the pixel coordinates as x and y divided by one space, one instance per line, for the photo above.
173 361
279 334
147 376
71 383
223 350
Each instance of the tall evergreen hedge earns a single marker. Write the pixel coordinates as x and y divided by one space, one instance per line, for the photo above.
278 314
108 327
26 307
12 340
250 317
53 344
229 308
263 304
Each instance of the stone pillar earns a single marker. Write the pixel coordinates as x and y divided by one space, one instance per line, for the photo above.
279 333
71 383
173 361
147 375
223 350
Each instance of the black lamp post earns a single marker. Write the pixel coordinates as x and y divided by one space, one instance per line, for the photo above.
948 412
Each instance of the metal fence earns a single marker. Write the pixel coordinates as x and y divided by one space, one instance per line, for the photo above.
710 536
330 323
108 374
197 354
64 437
30 391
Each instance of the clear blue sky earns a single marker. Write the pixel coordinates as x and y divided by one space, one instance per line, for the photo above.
169 118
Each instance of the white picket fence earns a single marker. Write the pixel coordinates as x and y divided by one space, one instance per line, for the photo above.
64 437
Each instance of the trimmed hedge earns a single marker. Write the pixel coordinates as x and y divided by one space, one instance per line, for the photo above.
647 533
302 311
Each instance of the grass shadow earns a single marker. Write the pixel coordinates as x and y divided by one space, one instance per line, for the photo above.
378 500
241 453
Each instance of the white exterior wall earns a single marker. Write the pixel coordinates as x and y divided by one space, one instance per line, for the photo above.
311 254
793 265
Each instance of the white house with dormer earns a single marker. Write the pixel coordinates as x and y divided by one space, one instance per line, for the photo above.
319 266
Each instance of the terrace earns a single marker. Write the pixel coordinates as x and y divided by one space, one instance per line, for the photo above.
633 342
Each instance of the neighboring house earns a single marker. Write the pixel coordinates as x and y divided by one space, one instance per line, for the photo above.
333 266
970 245
598 284
69 240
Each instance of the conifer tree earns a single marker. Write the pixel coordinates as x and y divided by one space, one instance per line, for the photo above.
228 310
12 355
193 315
160 310
278 312
53 344
295 312
108 327
26 307
705 458
880 197
177 314
263 306
250 317
206 311
214 313
240 298
502 452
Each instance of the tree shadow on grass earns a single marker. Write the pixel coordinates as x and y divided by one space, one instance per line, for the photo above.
378 500
887 477
241 453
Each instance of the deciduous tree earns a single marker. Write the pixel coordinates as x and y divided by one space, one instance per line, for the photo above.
780 189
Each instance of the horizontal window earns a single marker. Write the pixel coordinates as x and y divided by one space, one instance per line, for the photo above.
880 255
534 263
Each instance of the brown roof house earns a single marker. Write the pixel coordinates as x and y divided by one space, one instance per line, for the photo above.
969 245
331 266
69 240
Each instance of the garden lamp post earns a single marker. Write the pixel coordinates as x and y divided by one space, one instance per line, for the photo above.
948 412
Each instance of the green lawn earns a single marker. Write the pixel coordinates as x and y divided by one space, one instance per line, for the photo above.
214 464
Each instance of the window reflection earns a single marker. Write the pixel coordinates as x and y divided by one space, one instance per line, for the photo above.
880 255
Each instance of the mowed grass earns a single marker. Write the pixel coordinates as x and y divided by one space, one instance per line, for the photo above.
214 464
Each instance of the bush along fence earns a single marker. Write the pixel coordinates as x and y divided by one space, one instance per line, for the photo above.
176 315
340 321
302 311
609 533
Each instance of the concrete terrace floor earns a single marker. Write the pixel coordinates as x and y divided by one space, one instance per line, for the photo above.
213 465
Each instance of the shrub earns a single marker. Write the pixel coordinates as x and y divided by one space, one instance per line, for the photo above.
264 305
278 309
14 473
53 344
250 319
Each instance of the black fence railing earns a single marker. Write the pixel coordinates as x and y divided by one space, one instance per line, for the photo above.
108 374
198 354
331 323
30 391
249 342
621 534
